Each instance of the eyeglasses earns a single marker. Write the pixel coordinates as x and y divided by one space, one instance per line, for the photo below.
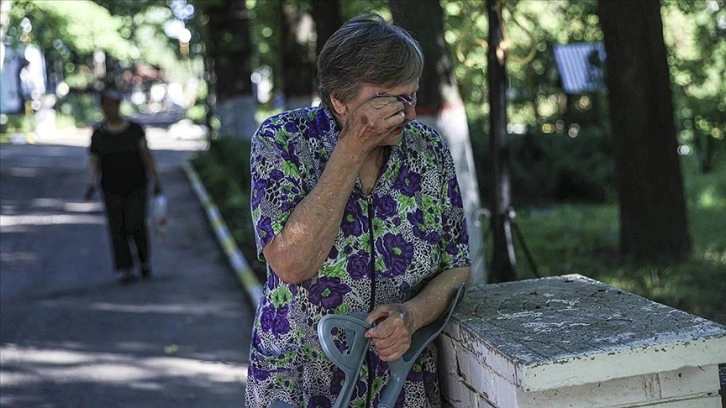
406 100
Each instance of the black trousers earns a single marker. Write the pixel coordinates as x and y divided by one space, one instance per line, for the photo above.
127 222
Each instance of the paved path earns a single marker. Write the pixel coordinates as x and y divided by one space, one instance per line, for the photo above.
70 335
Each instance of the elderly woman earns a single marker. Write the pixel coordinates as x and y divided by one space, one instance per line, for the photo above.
356 208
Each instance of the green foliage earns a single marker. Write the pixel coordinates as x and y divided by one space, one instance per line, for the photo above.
225 171
19 123
79 26
533 28
583 238
131 31
82 108
695 57
551 167
350 9
266 33
70 31
697 66
266 26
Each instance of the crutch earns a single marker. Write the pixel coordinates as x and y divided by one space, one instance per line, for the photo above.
351 361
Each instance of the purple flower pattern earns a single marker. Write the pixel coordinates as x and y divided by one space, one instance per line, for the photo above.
408 182
397 254
289 153
352 223
386 207
359 265
328 292
454 194
274 320
416 218
258 190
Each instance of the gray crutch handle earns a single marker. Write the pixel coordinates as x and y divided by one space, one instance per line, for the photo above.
357 346
399 369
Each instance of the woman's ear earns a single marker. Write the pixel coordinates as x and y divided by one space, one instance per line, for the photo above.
338 106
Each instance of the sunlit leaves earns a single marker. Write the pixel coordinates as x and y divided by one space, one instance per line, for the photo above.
532 27
86 26
697 63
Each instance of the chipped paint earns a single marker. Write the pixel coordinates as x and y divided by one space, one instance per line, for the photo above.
550 336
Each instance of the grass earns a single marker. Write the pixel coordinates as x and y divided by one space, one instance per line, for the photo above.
577 238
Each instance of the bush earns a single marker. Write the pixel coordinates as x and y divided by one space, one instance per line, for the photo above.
548 168
225 171
79 109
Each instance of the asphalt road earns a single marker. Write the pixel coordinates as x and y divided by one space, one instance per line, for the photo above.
70 334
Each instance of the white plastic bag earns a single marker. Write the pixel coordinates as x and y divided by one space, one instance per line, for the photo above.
158 211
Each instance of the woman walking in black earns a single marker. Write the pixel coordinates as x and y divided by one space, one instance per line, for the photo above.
120 155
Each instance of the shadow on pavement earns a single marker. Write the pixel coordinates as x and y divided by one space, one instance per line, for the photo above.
70 335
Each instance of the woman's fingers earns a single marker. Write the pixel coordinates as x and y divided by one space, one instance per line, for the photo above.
393 347
397 118
384 109
398 336
383 101
392 336
374 121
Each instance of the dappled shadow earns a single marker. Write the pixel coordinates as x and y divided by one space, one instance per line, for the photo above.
71 336
104 350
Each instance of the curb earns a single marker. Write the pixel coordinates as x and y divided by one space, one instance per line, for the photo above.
242 269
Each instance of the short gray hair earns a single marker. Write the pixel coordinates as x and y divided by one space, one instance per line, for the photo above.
367 50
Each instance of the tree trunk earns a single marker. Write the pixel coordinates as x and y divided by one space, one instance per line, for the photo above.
653 221
503 257
326 14
231 52
298 56
440 106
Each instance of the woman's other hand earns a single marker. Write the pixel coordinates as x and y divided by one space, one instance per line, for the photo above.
392 335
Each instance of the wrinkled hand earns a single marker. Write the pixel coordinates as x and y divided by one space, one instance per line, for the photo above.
392 335
90 191
368 125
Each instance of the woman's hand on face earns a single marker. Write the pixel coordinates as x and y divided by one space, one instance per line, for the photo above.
373 121
392 335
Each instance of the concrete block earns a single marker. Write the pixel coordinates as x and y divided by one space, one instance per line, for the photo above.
689 384
572 341
458 394
689 380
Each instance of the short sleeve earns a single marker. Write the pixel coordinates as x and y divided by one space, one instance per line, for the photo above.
454 245
276 181
138 133
94 147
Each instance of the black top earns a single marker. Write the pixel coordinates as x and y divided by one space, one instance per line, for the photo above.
122 167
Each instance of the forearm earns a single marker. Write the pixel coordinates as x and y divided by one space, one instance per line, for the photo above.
304 243
151 165
148 160
434 299
92 170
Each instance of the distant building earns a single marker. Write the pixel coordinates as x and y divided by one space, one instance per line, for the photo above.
23 78
582 77
580 67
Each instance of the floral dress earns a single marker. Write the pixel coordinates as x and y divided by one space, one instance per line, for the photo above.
391 242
